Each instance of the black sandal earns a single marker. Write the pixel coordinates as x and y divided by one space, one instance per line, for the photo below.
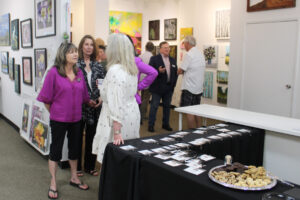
54 192
93 172
79 185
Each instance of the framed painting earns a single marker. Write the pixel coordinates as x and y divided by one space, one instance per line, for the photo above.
40 63
26 33
171 29
259 5
154 30
27 70
185 32
222 24
208 85
211 55
4 62
40 135
5 30
173 51
15 34
45 18
222 94
222 77
17 79
11 69
227 55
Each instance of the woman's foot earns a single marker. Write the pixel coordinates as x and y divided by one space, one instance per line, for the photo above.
93 172
78 184
52 193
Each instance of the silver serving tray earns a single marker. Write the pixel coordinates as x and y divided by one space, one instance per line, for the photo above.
267 187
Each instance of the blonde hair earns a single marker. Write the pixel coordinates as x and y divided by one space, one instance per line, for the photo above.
119 51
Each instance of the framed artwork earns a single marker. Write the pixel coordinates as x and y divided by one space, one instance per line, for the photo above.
185 32
26 33
208 85
40 134
128 23
173 51
5 30
25 117
11 69
259 5
227 55
222 94
45 18
15 34
154 30
222 24
171 29
27 70
17 79
211 55
40 63
222 77
4 62
36 112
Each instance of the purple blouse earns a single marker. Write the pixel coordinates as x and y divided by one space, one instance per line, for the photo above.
148 80
64 96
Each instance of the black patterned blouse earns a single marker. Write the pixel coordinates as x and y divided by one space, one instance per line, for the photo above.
89 114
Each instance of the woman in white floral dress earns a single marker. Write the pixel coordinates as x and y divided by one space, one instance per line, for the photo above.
120 115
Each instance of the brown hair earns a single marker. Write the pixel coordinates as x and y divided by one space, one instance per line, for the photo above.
149 46
95 49
162 43
61 59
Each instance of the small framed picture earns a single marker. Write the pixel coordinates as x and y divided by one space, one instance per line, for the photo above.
15 34
259 5
154 30
26 33
5 29
45 18
17 79
4 62
40 63
11 69
27 70
170 29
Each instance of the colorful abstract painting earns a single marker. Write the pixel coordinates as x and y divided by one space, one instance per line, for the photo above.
45 19
223 24
154 30
5 30
40 134
185 32
128 23
208 85
40 57
222 94
222 77
37 112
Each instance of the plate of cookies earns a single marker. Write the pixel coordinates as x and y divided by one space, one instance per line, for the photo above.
242 177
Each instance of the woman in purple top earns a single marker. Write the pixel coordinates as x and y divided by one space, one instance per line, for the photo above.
63 93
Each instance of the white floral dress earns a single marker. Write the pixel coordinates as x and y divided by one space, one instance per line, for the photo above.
119 104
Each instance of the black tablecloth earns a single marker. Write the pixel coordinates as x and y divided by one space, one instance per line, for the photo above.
133 176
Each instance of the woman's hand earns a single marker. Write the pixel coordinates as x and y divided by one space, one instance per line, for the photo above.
99 102
91 103
117 133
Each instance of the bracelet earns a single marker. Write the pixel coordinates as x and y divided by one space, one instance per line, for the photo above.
117 132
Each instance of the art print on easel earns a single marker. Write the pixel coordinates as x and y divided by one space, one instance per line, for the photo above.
259 5
45 18
25 119
40 135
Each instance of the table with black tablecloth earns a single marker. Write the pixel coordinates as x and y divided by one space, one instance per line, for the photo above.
131 175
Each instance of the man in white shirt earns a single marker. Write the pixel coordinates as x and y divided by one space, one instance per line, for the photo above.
193 69
145 93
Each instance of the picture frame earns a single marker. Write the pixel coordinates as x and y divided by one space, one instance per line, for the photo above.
17 79
5 30
27 70
173 51
45 18
40 63
222 30
4 62
11 70
26 33
261 5
210 53
25 118
40 135
222 77
15 34
170 31
154 27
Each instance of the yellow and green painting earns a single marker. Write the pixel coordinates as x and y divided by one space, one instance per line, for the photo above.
128 23
185 32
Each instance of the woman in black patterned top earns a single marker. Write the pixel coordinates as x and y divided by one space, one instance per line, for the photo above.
93 73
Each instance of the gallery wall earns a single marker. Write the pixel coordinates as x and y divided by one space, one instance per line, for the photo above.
10 102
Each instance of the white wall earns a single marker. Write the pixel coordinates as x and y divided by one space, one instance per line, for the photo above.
239 18
11 102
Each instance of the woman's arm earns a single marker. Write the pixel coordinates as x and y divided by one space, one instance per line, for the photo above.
150 72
